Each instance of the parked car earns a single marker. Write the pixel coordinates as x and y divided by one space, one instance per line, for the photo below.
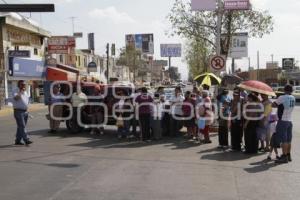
297 93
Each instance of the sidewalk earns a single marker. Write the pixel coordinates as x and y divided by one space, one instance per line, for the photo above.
8 110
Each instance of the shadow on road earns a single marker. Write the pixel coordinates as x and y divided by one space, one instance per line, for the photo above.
261 166
227 156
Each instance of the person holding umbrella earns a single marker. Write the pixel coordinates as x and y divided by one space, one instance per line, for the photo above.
251 123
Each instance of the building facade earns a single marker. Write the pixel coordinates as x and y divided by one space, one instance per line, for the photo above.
22 53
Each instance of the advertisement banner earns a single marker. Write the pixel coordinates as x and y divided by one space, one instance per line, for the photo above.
170 50
236 4
238 46
142 42
204 5
21 67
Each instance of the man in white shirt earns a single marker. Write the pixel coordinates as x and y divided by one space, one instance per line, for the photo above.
285 105
20 103
78 98
177 113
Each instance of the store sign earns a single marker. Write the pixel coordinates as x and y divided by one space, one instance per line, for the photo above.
92 67
204 5
236 4
142 42
288 63
61 44
18 37
21 53
170 50
51 62
238 47
21 67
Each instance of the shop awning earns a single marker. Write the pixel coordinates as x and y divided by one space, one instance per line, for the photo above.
55 74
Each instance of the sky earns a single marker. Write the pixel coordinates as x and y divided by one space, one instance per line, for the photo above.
110 20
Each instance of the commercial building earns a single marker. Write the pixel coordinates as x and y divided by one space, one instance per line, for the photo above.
22 53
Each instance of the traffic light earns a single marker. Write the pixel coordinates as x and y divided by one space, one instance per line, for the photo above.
113 49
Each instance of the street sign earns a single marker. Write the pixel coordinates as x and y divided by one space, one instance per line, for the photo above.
217 63
92 67
170 50
204 5
236 4
78 34
20 53
288 63
238 46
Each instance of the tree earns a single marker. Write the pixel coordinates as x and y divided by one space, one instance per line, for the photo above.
197 56
203 25
130 57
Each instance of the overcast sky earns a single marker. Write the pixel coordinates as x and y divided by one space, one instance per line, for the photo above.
110 20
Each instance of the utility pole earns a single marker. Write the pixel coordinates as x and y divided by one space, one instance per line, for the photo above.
72 19
249 62
170 68
219 27
258 65
272 59
107 62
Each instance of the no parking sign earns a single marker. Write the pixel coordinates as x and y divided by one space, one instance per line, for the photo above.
217 63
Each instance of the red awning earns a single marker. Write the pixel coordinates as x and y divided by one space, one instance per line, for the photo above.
55 74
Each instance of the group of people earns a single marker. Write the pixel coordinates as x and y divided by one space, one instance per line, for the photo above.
249 118
253 123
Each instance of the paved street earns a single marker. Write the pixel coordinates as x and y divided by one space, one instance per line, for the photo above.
73 167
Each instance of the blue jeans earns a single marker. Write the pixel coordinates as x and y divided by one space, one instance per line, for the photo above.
124 131
21 119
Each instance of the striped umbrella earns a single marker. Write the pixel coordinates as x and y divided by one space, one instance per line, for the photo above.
208 79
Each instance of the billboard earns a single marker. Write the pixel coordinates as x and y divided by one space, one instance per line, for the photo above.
204 5
21 67
61 44
238 45
142 42
236 4
170 50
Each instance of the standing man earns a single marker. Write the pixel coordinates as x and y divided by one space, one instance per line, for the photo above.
20 104
78 98
285 105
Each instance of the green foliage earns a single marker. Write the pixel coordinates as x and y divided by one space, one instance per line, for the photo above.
200 29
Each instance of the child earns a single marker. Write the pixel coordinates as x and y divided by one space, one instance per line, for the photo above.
274 141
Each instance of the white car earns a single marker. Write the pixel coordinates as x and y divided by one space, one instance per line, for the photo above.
296 92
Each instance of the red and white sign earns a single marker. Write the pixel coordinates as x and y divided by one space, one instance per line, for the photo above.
217 63
236 4
61 44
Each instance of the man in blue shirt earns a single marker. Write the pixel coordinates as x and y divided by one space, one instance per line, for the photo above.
20 104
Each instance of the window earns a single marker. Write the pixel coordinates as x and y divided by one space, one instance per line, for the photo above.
35 51
61 59
16 48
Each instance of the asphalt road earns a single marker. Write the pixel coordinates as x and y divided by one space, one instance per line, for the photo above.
73 167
